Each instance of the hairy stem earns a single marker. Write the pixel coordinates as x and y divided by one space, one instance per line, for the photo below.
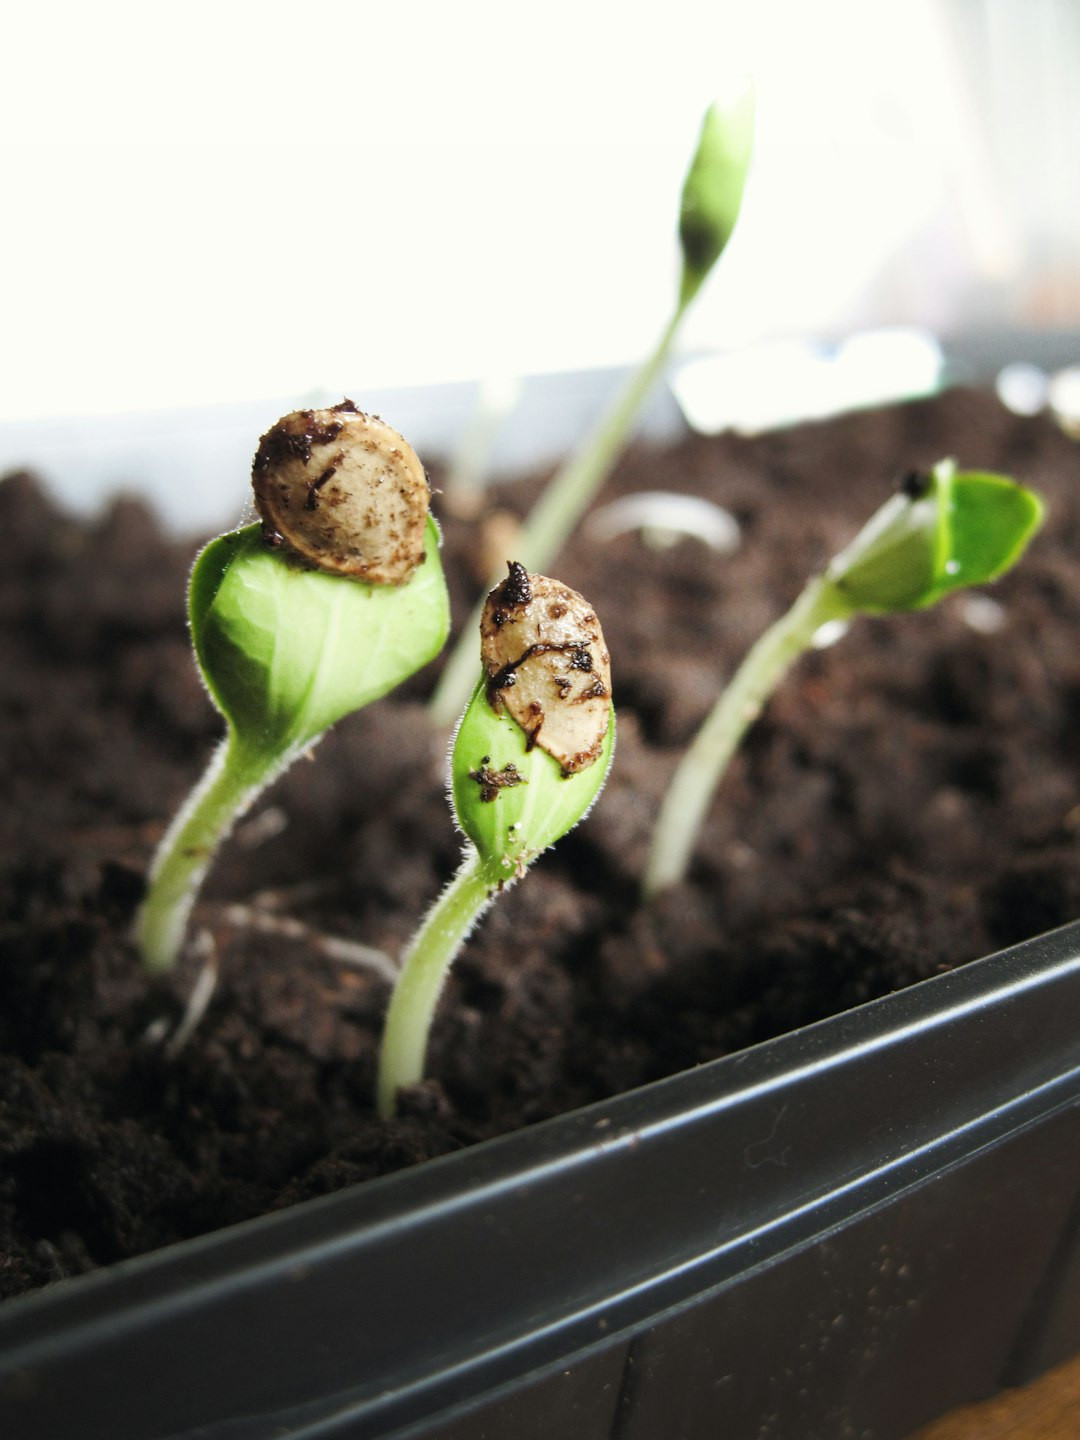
232 780
426 965
701 768
557 511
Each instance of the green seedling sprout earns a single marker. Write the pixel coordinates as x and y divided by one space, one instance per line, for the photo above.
942 532
711 199
333 600
530 756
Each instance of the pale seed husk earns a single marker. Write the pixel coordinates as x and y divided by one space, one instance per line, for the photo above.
345 491
546 664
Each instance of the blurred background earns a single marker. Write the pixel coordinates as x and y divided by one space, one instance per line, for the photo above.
215 212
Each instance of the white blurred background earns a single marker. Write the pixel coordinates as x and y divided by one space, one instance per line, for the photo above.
214 211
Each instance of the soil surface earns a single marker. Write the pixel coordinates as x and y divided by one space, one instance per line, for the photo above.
910 800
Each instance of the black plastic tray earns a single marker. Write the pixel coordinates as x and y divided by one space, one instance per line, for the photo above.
842 1232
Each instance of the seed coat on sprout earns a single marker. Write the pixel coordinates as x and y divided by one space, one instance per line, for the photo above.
345 491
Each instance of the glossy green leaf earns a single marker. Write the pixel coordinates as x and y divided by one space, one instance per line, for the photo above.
287 650
713 190
990 521
513 802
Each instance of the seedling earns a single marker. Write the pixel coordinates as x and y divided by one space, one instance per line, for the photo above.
711 199
287 649
942 532
529 758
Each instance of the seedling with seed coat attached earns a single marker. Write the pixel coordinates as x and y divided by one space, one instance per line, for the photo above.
530 756
287 649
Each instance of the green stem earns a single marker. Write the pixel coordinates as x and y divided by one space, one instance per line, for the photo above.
426 965
232 780
557 511
701 768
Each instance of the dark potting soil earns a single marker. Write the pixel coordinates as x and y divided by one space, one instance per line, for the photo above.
910 800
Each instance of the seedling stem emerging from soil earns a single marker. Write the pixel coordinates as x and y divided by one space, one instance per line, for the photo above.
286 649
711 199
530 756
942 532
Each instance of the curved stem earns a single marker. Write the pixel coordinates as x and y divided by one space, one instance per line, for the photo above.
232 780
699 772
556 513
426 966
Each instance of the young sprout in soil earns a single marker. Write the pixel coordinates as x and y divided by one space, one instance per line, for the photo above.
711 199
941 532
334 599
530 756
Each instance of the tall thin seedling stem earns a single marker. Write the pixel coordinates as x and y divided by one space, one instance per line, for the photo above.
232 781
691 791
423 973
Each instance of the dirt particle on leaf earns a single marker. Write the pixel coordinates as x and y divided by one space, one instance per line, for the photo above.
492 781
915 484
